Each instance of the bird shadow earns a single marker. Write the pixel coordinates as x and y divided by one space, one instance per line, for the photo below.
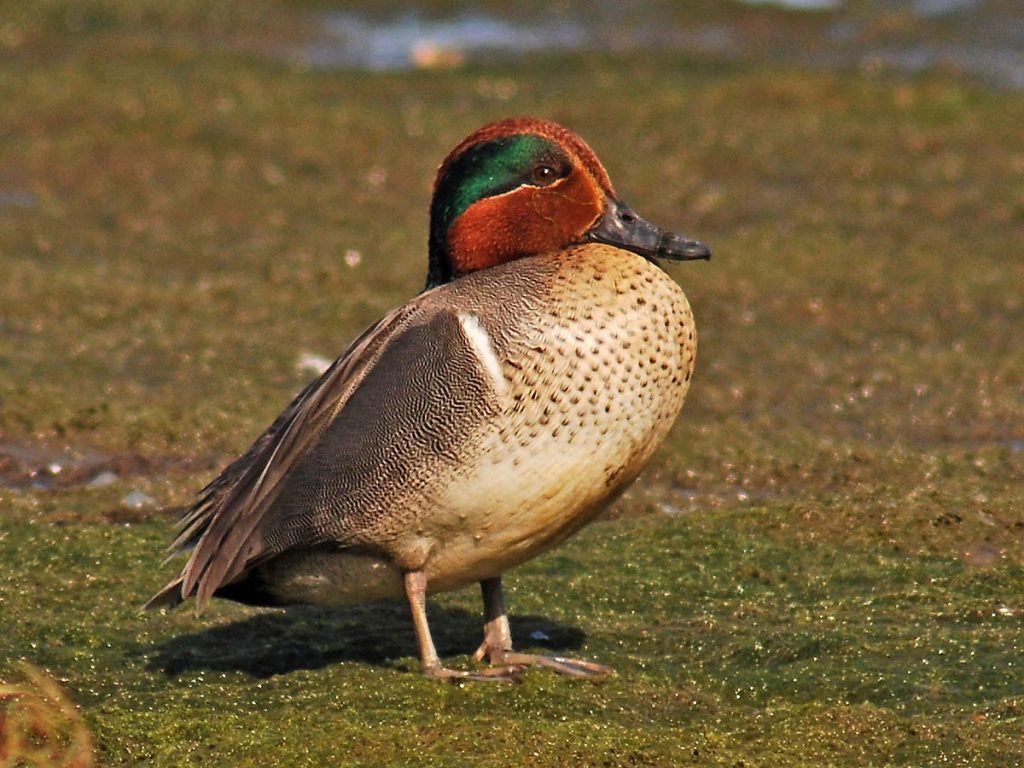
301 637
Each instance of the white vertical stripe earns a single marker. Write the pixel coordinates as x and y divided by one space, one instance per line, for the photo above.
481 342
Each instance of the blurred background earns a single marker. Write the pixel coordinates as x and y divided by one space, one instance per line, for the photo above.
984 39
202 203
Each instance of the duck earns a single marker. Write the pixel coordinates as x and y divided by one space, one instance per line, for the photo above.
475 427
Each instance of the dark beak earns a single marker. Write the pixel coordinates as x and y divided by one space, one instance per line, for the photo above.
620 227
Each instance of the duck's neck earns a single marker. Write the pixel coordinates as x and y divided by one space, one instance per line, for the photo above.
439 266
471 243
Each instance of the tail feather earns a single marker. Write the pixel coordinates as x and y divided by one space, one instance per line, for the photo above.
168 597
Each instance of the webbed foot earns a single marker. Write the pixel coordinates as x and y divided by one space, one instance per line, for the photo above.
560 664
509 673
497 644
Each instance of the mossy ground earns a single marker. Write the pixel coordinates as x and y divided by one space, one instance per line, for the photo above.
823 566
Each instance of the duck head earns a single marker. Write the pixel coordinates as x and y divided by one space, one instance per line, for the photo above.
524 186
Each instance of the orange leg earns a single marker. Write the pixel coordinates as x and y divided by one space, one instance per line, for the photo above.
416 592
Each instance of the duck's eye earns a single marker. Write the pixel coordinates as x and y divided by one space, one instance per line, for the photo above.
542 175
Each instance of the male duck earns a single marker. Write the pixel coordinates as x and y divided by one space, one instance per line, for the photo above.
480 424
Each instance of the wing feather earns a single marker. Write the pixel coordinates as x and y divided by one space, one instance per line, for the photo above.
219 526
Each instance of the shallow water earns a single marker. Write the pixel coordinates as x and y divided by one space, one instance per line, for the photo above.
356 41
979 37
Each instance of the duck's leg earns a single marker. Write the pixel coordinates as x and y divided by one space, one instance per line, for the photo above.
497 644
416 593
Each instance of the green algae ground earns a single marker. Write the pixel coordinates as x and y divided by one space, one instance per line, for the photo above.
823 566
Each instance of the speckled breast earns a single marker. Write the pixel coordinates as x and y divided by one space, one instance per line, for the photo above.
590 358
